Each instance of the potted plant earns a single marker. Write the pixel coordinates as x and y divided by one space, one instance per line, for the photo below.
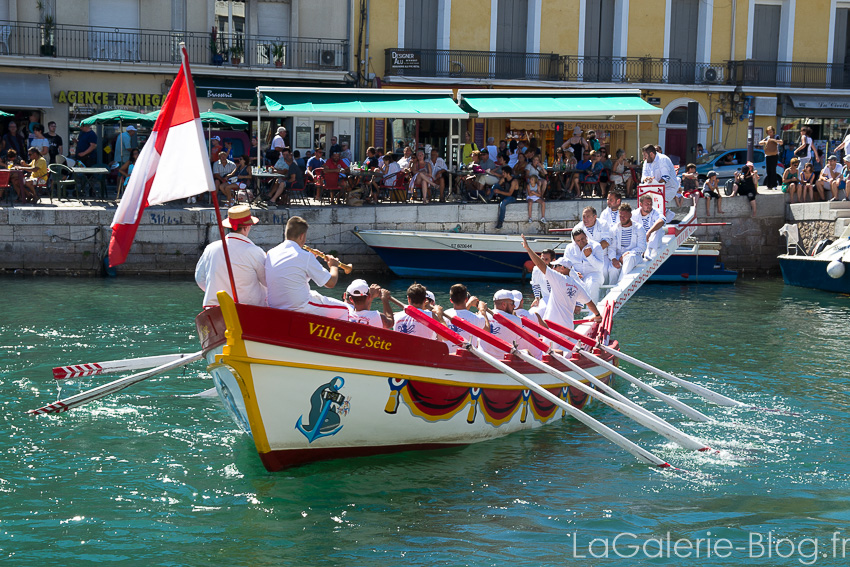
48 29
236 53
217 58
277 53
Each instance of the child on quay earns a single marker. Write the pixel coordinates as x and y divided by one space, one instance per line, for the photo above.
534 193
689 186
710 190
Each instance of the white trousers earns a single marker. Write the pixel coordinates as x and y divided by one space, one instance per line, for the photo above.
654 245
325 306
630 260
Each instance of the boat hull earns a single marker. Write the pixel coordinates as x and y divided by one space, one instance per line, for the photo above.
807 271
308 388
419 254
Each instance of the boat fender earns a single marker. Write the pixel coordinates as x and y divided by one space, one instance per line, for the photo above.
820 245
835 269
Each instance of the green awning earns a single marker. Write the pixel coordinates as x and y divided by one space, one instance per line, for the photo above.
363 103
554 104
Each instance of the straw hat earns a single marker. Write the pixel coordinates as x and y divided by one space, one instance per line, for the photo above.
237 216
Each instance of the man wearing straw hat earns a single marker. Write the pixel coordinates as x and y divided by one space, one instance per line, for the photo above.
246 258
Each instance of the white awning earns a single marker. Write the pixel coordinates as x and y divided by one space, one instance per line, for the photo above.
24 90
821 102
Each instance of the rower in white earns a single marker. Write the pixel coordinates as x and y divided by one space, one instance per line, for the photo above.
461 302
404 323
503 303
652 223
566 290
539 285
588 261
360 295
629 245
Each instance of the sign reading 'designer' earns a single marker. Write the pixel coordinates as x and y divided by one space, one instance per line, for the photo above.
404 59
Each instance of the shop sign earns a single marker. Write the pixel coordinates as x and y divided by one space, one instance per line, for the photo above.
107 99
404 59
654 100
585 126
225 93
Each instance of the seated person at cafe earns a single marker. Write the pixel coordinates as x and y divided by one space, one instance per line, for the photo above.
391 171
334 169
439 172
224 182
38 173
293 179
584 169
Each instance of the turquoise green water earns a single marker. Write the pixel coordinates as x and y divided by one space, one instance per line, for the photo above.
159 476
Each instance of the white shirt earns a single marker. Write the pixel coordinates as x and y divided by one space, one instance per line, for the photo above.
586 265
278 143
647 221
493 151
539 285
392 170
566 292
249 271
289 269
662 171
223 169
598 232
404 162
469 316
609 218
406 324
832 173
365 317
437 166
629 239
808 142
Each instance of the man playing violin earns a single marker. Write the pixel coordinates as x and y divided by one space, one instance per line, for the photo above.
289 269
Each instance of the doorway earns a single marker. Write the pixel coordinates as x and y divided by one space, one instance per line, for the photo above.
323 130
676 144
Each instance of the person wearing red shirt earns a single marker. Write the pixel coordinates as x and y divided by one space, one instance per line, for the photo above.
333 167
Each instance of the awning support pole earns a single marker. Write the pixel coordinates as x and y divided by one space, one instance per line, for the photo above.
259 130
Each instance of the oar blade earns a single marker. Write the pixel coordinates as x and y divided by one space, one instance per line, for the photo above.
114 366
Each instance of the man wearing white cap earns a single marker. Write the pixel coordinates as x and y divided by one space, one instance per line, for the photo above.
361 294
246 258
432 300
588 260
289 269
503 304
461 301
566 290
518 299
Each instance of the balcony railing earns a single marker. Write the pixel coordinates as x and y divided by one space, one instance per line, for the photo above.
464 64
790 75
641 70
159 46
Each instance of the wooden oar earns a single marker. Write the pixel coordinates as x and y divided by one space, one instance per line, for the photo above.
347 268
565 343
709 395
112 387
610 397
114 366
638 452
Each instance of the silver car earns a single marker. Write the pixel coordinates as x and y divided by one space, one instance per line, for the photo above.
727 162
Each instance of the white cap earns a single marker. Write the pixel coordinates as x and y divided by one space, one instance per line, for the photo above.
570 149
358 288
562 262
430 295
131 128
517 298
215 138
503 294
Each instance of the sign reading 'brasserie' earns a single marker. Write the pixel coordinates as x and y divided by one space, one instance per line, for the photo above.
101 98
404 59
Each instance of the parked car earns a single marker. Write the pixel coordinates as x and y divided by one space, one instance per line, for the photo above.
719 162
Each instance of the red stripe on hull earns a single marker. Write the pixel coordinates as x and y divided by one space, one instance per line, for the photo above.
279 460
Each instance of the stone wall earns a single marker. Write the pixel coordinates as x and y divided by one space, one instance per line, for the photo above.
73 239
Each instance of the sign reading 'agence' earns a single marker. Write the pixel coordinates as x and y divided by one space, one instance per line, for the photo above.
404 59
120 99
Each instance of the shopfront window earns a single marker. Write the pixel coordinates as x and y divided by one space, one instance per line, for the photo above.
827 133
402 132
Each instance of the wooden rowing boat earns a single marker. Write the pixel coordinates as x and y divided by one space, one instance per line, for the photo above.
307 388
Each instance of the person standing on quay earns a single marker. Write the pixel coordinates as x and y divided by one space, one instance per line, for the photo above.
771 154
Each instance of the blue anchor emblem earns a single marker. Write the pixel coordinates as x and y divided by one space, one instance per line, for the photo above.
324 420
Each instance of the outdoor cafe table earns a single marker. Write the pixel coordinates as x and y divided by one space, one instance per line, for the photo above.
86 178
266 177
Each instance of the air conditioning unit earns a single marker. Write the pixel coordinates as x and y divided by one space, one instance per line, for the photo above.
331 58
713 75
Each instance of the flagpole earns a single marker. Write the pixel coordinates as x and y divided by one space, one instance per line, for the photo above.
187 75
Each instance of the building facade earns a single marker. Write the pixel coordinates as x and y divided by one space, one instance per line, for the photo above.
66 60
787 60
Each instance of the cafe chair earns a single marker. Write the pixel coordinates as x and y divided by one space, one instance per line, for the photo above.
5 184
397 191
60 178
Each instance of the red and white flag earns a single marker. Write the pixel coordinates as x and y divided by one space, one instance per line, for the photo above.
174 163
